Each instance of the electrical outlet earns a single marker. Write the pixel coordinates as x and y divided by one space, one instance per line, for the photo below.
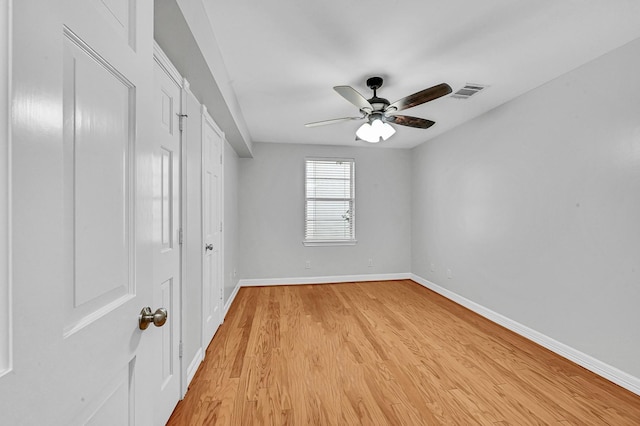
370 263
449 274
235 273
432 268
307 264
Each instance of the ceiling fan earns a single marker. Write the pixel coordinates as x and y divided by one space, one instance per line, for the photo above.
379 112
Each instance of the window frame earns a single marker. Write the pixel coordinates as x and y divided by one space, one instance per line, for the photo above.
311 242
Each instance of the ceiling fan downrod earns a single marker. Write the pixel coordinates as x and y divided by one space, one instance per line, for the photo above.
379 104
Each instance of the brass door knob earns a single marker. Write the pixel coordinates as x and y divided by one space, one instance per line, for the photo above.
146 317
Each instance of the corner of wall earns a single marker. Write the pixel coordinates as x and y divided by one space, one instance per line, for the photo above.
607 371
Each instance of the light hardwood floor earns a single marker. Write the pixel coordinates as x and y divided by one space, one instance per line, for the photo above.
385 353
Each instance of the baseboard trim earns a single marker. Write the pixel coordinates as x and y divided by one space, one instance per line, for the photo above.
193 366
605 370
258 282
227 305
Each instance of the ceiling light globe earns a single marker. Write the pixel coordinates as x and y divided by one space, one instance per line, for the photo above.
367 133
386 131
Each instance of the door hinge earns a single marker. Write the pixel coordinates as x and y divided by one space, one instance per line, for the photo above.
220 158
180 236
180 346
180 118
221 294
220 226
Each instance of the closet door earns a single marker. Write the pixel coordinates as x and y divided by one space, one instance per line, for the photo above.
82 203
167 246
212 140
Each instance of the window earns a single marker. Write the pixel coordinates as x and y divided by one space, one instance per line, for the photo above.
329 201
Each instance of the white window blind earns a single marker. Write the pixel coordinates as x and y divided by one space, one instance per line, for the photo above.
329 201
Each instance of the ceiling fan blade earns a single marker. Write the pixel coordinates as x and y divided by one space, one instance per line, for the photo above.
352 95
421 97
334 121
405 120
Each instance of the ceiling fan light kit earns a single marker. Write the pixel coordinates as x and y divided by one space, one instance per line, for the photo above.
373 131
379 112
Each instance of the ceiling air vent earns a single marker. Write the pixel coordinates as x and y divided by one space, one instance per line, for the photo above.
467 91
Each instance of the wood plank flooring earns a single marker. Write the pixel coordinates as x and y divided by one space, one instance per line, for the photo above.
385 353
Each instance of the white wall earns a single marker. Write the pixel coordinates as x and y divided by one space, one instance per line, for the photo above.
535 209
271 200
230 224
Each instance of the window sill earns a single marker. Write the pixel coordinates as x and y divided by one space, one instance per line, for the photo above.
318 243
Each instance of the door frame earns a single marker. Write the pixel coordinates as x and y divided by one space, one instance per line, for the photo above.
208 120
165 63
5 190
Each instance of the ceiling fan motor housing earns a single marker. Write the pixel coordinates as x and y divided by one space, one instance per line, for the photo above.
378 104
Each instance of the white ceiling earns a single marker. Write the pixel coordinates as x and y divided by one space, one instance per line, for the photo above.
284 56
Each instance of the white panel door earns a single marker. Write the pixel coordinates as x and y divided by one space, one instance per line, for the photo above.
81 211
167 234
212 139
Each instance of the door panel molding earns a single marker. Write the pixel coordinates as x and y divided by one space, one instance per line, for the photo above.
107 406
166 207
121 15
99 130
